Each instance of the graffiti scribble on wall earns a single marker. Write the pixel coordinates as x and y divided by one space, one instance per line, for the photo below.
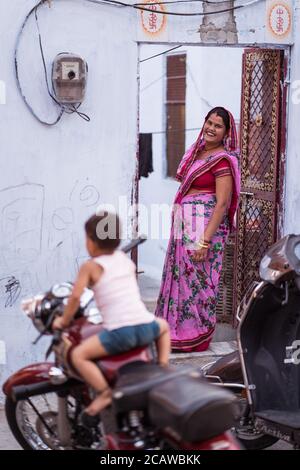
12 290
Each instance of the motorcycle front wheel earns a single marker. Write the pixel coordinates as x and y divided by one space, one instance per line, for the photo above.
32 430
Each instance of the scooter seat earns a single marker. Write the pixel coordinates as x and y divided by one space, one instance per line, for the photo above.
192 409
133 387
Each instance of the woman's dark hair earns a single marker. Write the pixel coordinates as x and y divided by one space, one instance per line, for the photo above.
104 230
221 112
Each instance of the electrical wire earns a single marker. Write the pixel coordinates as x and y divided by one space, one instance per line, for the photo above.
43 57
84 116
68 109
17 70
153 82
160 12
161 53
184 1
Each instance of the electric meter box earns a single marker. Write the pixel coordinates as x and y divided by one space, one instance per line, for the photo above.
69 77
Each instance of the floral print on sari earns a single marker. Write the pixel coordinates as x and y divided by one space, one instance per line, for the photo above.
189 290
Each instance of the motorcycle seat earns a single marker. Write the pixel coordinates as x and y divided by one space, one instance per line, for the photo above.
133 386
192 409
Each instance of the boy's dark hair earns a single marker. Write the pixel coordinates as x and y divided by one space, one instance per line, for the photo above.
104 230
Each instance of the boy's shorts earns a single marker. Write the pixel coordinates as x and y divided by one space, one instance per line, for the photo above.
128 337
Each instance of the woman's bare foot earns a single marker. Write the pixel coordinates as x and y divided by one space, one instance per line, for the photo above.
101 401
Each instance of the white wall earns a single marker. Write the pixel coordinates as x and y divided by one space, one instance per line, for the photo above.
53 178
292 187
156 189
213 79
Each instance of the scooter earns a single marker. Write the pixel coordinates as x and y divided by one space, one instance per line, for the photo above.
265 370
153 407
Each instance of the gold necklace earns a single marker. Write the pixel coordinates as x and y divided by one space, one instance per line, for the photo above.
204 152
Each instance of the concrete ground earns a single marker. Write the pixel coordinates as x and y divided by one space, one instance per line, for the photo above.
223 343
7 441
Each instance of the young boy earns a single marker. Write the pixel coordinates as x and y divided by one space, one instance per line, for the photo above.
126 321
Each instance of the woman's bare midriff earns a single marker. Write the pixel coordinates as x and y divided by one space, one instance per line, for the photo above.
194 191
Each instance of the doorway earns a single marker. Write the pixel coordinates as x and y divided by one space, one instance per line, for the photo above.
177 89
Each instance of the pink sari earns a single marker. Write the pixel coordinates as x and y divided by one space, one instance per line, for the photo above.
189 290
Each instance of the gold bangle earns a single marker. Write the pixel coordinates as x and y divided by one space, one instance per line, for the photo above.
206 242
203 245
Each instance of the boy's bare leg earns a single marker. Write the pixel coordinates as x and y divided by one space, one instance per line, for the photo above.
82 357
163 342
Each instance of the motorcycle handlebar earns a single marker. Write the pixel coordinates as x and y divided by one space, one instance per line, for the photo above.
134 243
56 337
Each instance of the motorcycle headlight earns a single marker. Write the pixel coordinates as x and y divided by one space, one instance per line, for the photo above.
29 305
32 307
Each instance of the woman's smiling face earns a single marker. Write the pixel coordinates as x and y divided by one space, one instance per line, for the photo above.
214 130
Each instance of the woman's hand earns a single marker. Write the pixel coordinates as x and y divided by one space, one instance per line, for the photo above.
200 255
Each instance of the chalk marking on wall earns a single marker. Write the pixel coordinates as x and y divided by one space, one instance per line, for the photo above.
73 189
21 209
89 195
2 353
62 218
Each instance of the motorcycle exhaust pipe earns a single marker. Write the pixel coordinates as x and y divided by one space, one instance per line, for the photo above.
21 392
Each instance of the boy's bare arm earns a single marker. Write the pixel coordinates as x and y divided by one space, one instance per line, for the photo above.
84 278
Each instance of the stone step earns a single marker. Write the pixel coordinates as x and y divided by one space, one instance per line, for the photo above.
224 332
199 359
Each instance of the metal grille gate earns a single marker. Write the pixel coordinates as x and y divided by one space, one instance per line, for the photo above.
260 144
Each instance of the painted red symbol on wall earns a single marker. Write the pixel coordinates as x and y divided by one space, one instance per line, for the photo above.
280 19
153 21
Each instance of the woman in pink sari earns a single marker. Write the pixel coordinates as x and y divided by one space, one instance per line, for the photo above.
203 217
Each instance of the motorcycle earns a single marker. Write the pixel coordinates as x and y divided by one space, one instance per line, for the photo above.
263 371
152 407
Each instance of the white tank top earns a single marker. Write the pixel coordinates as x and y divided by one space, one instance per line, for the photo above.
117 293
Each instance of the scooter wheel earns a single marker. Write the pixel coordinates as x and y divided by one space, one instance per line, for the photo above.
252 441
